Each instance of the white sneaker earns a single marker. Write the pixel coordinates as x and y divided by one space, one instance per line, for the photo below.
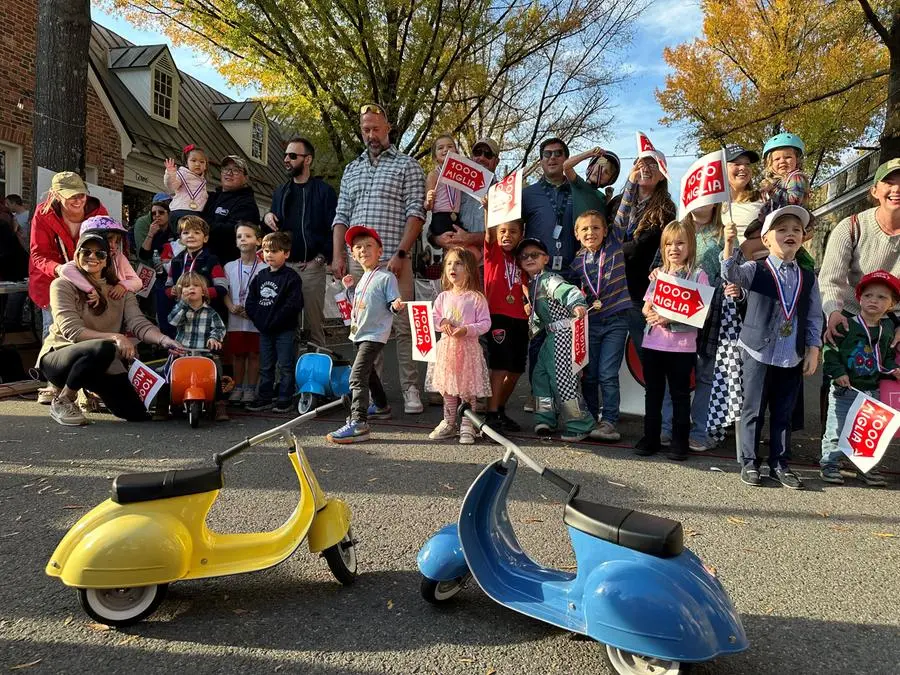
466 437
66 412
442 431
412 404
47 394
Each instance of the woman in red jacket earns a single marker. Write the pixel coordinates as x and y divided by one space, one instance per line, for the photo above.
54 232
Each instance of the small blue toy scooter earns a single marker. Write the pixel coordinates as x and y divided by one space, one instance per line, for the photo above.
320 376
637 590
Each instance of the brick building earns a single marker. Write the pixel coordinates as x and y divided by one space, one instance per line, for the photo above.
105 164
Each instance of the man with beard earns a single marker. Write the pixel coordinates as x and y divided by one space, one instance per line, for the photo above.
384 189
304 206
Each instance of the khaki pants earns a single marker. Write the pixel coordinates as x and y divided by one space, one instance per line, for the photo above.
312 274
409 372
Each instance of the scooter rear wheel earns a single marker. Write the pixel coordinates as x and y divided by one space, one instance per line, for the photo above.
438 592
626 663
341 559
121 606
195 412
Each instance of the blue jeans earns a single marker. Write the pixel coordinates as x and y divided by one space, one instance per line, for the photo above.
839 401
47 319
606 344
276 350
703 377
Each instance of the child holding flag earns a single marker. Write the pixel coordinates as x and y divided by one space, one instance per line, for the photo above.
857 361
780 338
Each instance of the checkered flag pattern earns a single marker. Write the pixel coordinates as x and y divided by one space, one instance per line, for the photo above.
725 399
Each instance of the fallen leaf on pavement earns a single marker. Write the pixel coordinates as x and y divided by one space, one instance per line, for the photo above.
533 520
709 568
372 480
737 521
26 665
447 486
769 610
691 533
73 506
824 514
466 659
490 671
129 639
69 619
98 627
390 604
884 535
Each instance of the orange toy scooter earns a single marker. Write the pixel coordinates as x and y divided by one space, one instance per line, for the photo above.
192 383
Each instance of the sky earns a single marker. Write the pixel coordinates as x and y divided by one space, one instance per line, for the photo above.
666 24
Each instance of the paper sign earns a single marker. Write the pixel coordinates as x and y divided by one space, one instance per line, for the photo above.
421 323
505 200
579 343
868 430
681 300
147 275
466 175
344 306
704 183
145 382
646 149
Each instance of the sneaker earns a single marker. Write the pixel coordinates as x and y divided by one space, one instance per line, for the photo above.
831 474
282 407
443 431
645 448
412 404
237 396
873 478
573 438
606 431
466 437
352 432
529 405
507 423
665 440
750 476
786 477
701 446
376 413
677 456
542 429
67 412
260 404
249 395
47 394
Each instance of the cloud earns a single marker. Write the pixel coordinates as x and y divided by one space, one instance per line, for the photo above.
669 21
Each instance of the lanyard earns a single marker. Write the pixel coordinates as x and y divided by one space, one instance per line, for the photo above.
876 349
191 193
600 263
242 293
357 297
787 310
553 195
193 260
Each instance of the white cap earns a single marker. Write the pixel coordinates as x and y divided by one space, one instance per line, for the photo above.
791 210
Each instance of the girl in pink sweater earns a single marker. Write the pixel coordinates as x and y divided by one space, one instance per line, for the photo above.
115 235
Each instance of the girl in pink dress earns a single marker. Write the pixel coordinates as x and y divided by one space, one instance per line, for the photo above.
460 372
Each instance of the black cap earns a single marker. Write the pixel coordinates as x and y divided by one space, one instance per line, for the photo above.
92 235
531 241
551 141
733 151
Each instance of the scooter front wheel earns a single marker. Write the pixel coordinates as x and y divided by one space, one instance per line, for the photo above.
626 663
195 411
308 401
341 559
121 606
437 592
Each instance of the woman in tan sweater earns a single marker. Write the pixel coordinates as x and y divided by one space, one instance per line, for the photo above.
85 348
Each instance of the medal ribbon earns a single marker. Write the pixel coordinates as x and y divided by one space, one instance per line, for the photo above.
511 272
193 259
876 350
452 195
242 293
357 297
191 193
600 262
787 310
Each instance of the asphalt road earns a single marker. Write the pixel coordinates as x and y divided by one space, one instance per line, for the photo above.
813 573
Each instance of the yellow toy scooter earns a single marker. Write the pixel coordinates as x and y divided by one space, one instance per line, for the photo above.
122 554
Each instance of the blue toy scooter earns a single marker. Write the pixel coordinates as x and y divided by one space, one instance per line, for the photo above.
637 590
320 376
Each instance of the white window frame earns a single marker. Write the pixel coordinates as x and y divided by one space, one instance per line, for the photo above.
259 117
164 66
13 168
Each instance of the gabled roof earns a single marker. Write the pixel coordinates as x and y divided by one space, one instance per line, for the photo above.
236 112
134 57
198 119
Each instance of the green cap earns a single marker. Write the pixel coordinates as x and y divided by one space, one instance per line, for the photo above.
887 168
68 184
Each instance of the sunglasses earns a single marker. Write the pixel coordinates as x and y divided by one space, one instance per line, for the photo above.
294 155
372 108
88 252
487 153
547 154
232 172
534 255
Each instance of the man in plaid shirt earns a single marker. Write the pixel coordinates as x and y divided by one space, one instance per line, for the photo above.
385 190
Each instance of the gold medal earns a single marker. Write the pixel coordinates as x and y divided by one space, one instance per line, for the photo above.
453 217
787 328
510 299
194 206
597 304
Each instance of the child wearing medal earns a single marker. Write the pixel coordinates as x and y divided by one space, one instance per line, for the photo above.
187 183
599 270
857 361
442 200
374 300
507 340
242 339
780 338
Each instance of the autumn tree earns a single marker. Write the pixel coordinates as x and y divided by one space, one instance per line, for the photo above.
516 69
820 71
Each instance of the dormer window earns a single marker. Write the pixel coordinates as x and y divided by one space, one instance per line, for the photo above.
163 92
247 124
258 137
150 75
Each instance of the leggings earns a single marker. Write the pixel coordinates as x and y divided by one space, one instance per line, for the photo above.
83 366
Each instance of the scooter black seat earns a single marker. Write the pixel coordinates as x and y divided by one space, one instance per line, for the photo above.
128 488
638 531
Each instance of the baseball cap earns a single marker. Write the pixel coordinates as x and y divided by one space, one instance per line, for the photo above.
359 231
92 236
68 184
490 142
880 277
791 210
161 197
234 159
531 241
733 151
886 169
